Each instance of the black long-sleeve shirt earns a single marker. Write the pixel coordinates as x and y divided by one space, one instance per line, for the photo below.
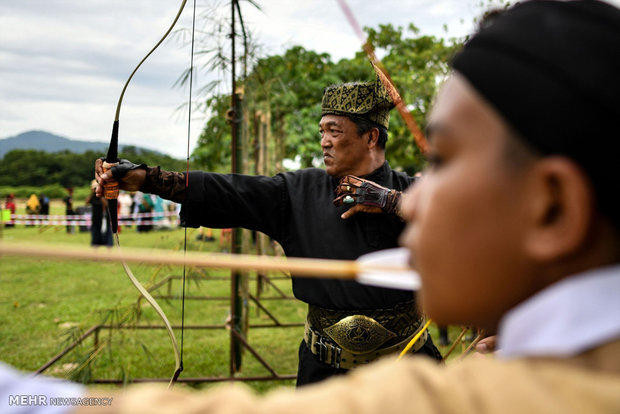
295 209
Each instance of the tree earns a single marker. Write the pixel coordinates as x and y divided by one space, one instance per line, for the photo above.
68 169
290 88
213 150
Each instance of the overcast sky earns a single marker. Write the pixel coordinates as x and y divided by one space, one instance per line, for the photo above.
63 62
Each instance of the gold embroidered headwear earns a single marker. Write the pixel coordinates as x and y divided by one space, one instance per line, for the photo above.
368 100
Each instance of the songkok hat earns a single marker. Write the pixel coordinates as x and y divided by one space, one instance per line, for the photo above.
552 70
366 100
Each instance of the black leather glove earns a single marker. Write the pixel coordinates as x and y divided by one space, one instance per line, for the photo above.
355 191
121 169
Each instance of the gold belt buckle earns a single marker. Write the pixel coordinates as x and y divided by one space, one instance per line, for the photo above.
359 334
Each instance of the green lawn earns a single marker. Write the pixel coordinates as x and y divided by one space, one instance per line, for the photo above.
46 304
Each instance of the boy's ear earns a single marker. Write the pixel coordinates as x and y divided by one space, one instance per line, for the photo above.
561 209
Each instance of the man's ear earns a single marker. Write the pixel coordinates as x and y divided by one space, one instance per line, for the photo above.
373 138
560 207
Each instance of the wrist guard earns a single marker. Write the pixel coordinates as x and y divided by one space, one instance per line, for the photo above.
166 184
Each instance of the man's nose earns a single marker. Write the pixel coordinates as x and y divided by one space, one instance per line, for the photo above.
325 141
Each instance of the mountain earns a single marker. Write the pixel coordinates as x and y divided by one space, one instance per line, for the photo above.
45 141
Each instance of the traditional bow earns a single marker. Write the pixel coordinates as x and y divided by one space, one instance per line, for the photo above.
111 189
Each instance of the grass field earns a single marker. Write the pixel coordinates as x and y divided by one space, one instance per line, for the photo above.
47 304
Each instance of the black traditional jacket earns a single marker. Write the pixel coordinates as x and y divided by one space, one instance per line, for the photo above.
295 209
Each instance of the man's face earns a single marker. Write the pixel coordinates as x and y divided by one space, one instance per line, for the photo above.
344 150
466 215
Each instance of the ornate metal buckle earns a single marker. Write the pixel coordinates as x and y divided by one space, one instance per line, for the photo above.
359 334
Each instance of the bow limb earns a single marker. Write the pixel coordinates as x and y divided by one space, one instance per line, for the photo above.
385 79
111 190
162 315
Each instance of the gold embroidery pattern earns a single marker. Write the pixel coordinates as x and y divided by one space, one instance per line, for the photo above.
369 100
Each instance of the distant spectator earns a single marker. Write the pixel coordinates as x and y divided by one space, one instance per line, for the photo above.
33 207
124 209
100 230
68 200
225 240
169 208
9 204
205 234
145 206
158 218
44 201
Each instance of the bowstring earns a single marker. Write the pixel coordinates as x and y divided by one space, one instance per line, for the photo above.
189 130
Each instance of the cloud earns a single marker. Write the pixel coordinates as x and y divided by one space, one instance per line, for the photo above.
63 62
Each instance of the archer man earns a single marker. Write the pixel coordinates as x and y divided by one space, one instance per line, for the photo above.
297 210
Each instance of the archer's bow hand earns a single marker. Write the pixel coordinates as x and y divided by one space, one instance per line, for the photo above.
365 196
130 176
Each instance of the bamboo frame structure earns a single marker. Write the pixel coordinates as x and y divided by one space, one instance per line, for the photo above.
300 267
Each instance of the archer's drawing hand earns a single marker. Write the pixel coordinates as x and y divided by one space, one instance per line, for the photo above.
486 346
365 196
130 176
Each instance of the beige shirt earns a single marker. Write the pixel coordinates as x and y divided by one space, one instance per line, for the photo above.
588 383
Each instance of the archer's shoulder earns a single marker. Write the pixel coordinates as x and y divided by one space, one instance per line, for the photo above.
400 180
315 175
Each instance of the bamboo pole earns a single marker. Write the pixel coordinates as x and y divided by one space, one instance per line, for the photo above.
470 347
456 341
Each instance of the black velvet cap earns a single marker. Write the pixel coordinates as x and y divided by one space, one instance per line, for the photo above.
552 70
